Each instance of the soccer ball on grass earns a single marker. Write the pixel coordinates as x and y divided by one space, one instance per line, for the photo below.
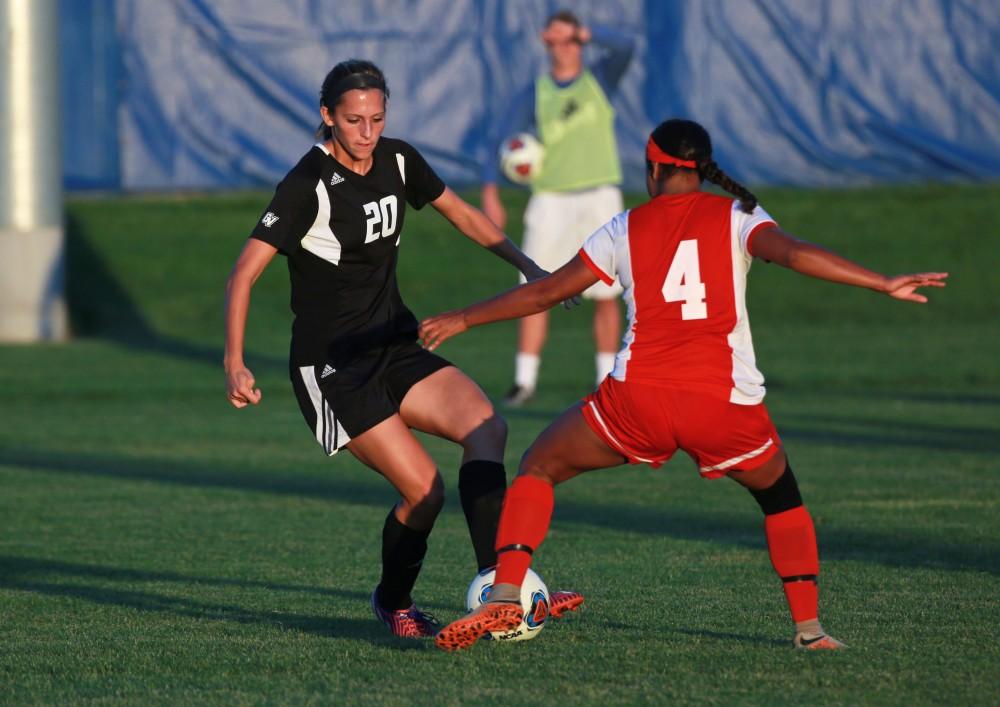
534 602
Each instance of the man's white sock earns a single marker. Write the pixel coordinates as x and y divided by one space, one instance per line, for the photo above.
526 370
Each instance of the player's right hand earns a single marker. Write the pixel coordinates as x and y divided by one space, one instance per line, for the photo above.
435 330
239 388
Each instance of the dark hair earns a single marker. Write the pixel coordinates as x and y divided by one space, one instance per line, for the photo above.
567 16
687 140
347 75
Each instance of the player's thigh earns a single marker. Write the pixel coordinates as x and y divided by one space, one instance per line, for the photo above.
449 404
391 449
762 476
568 447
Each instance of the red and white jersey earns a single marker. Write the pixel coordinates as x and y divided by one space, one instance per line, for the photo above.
682 260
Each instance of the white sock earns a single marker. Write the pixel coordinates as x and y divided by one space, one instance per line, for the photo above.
605 363
526 370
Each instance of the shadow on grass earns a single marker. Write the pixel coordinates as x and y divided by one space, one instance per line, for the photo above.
375 492
100 307
59 579
13 568
852 431
837 542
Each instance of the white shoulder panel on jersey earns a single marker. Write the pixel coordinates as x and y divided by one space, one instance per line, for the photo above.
401 162
319 239
743 224
602 244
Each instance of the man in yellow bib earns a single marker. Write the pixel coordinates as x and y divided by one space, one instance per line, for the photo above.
576 191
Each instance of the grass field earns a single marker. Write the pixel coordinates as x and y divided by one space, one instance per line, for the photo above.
159 547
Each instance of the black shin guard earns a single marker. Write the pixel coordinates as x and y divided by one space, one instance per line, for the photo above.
481 486
782 495
403 550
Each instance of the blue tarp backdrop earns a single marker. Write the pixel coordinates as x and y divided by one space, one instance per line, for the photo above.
204 94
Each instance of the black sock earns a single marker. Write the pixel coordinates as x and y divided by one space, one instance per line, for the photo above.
403 550
481 485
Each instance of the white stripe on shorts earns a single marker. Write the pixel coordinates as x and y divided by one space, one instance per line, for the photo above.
736 460
329 432
621 449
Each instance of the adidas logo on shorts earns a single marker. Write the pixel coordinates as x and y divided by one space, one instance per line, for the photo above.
328 371
335 179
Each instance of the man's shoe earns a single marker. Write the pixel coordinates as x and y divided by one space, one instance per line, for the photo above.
518 396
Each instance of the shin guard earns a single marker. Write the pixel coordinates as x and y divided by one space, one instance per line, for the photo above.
791 542
524 521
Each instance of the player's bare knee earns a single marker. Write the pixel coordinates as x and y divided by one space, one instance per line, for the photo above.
538 465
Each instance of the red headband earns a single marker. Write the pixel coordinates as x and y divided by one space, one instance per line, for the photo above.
655 154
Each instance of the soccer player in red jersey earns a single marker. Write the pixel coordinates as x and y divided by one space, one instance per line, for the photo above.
685 377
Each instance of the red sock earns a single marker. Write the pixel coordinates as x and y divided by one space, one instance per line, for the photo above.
791 542
527 511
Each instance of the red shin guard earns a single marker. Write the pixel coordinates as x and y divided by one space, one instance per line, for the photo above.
524 521
791 542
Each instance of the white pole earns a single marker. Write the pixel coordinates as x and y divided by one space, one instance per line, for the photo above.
32 304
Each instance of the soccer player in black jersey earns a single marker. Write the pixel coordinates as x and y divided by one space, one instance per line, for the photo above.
361 379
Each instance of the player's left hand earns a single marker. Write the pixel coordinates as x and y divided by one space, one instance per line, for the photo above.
435 330
904 287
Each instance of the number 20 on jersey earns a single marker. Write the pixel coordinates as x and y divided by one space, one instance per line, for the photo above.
380 213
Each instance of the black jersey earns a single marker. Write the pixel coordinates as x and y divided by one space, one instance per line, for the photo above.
340 232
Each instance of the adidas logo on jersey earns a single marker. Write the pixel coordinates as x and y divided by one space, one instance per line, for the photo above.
269 219
328 370
335 179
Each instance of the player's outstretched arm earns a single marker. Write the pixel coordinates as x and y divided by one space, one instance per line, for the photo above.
565 283
473 223
251 263
776 246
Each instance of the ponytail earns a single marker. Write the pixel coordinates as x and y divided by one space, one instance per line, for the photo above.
710 171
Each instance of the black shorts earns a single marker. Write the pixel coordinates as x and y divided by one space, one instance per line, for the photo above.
339 403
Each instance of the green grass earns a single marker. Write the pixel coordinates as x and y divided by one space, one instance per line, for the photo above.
160 547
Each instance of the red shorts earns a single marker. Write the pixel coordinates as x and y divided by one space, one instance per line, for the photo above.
647 425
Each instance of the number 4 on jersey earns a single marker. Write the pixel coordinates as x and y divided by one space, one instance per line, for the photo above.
683 282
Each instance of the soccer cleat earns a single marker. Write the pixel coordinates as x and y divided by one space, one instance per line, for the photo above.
517 396
488 617
561 602
406 623
817 642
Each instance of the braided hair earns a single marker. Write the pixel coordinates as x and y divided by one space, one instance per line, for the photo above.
345 76
687 140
